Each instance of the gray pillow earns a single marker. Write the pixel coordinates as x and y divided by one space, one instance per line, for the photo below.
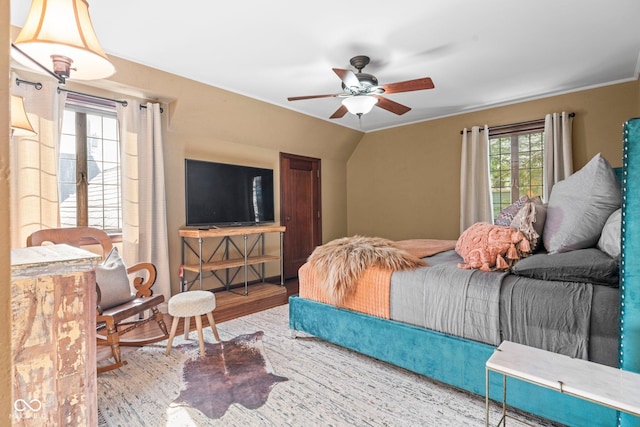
112 278
579 207
610 238
583 265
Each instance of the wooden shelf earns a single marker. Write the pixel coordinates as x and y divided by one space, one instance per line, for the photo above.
196 233
230 263
250 253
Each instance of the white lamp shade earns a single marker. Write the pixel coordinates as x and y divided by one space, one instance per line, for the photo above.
360 104
19 121
63 27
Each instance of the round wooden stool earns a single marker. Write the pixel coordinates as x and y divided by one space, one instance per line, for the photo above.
192 304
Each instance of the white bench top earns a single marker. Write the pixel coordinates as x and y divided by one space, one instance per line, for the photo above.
608 386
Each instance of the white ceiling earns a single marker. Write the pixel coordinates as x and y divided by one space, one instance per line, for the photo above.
478 53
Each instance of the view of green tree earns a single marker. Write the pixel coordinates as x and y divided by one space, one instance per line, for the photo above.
515 163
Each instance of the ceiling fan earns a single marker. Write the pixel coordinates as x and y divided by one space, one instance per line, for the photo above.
361 91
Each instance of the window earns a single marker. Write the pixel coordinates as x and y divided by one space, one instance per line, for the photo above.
89 168
516 156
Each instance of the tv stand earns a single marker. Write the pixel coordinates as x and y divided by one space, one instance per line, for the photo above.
227 255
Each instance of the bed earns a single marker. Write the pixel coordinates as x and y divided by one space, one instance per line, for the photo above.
604 323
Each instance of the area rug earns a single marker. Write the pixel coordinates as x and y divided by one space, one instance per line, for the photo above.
234 371
325 385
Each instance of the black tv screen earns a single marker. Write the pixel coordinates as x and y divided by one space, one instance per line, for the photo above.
226 194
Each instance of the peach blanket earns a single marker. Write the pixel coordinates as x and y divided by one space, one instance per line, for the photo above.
371 295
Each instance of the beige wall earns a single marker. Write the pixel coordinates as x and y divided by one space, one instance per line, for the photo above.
405 182
208 123
6 401
212 124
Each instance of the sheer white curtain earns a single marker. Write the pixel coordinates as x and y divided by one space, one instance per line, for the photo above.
475 183
558 156
34 163
144 230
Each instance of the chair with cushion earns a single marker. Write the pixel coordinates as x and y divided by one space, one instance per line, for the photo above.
119 309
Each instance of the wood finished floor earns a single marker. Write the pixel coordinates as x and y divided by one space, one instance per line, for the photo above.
229 305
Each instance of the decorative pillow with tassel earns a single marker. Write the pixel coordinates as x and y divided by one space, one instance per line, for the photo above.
491 247
530 220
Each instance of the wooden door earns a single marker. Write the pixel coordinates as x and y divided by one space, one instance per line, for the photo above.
299 209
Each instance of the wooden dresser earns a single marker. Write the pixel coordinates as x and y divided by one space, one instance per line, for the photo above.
53 336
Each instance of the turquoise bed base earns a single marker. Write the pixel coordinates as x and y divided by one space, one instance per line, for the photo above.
461 363
452 360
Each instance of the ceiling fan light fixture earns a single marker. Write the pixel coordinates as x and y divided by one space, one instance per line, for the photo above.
62 29
360 104
367 80
361 91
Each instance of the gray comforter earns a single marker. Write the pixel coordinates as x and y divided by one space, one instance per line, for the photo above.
495 306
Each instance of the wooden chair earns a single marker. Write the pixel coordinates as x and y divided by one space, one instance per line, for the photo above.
115 321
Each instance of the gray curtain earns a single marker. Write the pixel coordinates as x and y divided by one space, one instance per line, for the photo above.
558 154
34 201
144 207
475 183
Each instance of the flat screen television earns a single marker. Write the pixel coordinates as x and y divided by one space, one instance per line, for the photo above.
221 194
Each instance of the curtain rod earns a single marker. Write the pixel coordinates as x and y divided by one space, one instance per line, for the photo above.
119 101
530 122
37 85
144 106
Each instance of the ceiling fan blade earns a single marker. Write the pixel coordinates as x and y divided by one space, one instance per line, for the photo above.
340 112
392 106
348 77
298 98
409 85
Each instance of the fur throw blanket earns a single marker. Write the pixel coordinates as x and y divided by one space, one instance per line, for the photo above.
340 263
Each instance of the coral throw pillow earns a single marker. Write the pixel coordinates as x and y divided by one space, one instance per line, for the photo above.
491 247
